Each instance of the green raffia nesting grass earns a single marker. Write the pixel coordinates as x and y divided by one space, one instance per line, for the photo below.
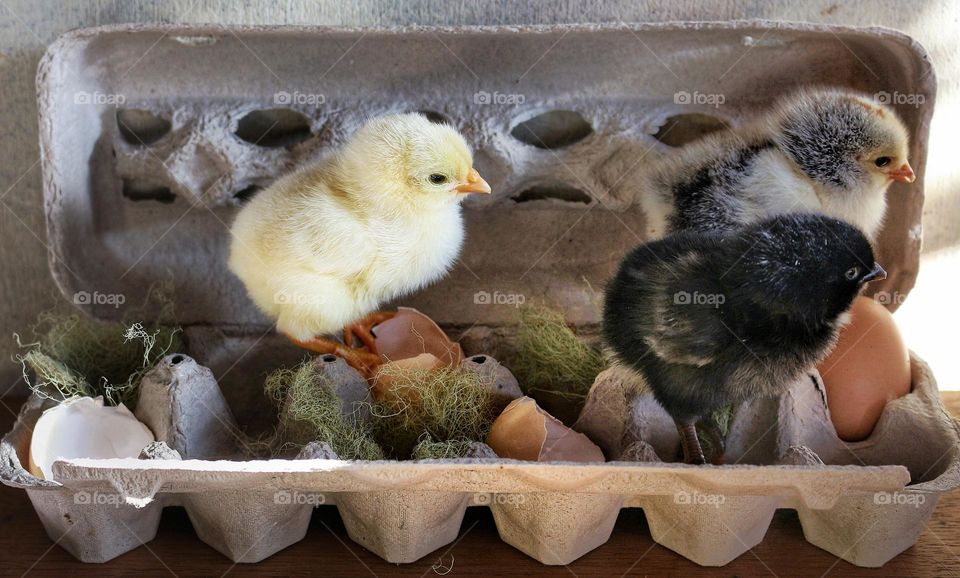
310 411
550 357
446 405
723 417
74 354
427 449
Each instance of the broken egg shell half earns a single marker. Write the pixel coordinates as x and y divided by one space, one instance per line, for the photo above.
83 427
385 378
409 334
525 432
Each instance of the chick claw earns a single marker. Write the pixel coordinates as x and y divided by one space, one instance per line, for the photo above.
362 329
692 453
365 362
715 436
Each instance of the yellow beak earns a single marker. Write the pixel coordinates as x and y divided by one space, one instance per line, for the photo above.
474 184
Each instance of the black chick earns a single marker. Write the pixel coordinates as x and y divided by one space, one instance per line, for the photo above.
714 318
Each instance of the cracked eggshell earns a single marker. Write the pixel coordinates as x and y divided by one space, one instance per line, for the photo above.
411 333
82 427
525 432
384 381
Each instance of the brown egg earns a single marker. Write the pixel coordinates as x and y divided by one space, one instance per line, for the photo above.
869 367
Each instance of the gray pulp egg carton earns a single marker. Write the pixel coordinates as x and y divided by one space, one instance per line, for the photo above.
153 135
556 512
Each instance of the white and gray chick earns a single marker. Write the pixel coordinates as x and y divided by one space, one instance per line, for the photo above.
819 150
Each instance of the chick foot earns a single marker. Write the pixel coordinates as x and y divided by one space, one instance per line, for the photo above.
365 362
362 329
689 442
715 436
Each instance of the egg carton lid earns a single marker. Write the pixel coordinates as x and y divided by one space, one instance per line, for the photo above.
113 231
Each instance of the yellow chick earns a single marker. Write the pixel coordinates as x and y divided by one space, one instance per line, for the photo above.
323 247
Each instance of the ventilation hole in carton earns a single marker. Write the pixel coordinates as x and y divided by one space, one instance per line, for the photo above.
176 360
479 359
136 191
275 127
141 127
681 129
560 192
329 358
435 117
553 129
245 194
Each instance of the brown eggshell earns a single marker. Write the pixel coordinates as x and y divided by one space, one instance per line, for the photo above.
384 381
525 432
869 367
410 333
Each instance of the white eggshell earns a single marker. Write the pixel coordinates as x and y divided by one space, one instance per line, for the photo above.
82 427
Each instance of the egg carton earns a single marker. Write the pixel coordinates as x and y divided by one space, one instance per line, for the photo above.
555 512
153 135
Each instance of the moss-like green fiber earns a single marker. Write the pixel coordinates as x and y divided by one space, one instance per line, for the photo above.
446 405
74 354
550 357
723 417
427 449
311 411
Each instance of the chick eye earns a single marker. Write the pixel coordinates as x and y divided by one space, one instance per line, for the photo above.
852 273
882 161
437 178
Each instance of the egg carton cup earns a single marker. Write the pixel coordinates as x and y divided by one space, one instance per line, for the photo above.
152 136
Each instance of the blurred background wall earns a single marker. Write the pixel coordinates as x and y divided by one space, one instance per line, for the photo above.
930 317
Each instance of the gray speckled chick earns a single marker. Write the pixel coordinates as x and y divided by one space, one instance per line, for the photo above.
822 151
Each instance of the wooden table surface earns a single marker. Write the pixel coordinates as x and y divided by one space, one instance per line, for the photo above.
326 551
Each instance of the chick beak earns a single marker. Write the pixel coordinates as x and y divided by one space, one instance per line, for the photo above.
904 174
474 184
876 274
